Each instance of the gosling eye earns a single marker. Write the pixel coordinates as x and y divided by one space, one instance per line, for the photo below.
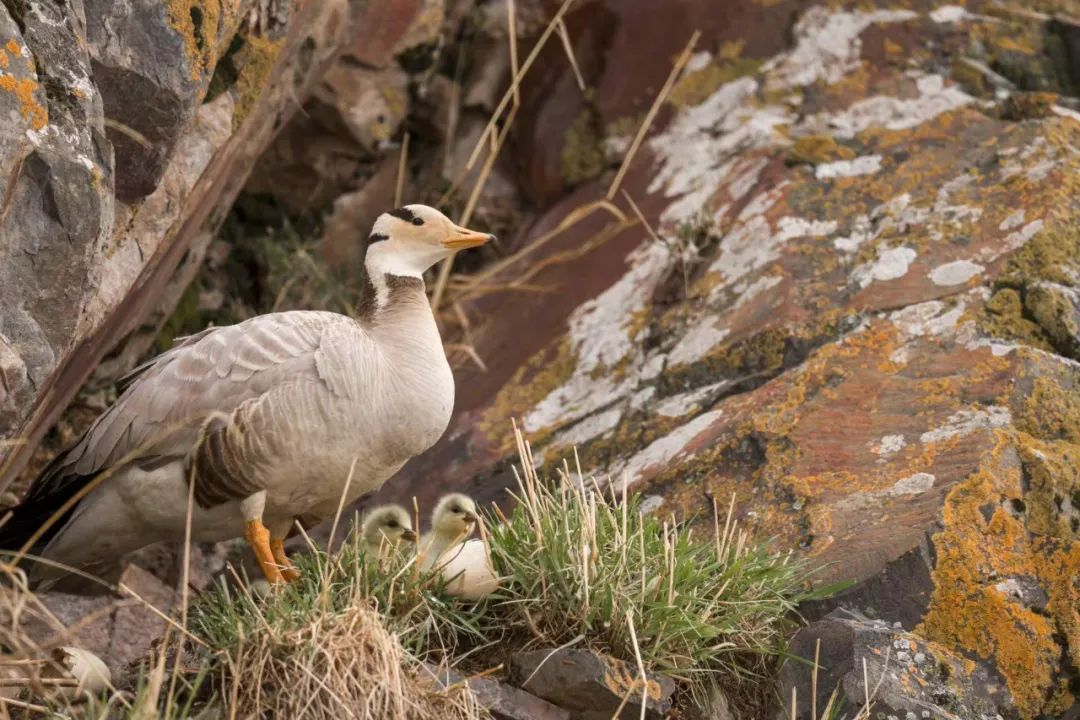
392 524
455 510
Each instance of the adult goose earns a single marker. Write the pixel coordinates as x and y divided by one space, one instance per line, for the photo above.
269 420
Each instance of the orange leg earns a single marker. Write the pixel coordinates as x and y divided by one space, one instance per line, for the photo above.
288 571
259 538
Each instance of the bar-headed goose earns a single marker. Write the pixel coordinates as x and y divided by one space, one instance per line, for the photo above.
270 418
385 527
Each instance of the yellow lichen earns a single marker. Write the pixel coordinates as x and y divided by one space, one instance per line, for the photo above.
817 149
696 86
256 60
532 382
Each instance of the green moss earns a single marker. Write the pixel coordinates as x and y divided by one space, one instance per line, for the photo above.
582 156
970 78
762 353
1057 315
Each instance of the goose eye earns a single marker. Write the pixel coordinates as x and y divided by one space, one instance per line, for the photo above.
417 221
392 524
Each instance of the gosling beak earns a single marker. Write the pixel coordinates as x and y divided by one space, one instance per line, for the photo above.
408 535
461 238
470 518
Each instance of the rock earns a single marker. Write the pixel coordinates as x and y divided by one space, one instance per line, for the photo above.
501 700
589 685
136 628
117 629
846 344
943 684
371 104
344 239
149 104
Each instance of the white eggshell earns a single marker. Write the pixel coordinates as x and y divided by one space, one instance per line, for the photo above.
88 669
467 570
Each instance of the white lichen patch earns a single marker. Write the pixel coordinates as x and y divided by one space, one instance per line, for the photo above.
913 484
696 343
591 427
1016 219
679 405
892 113
891 264
888 445
696 153
957 272
600 338
753 243
966 422
663 451
862 165
949 14
932 318
827 46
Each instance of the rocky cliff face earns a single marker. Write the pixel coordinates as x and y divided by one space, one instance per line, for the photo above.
850 299
130 127
854 307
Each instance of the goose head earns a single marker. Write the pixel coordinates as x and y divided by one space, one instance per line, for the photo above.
389 524
409 240
454 517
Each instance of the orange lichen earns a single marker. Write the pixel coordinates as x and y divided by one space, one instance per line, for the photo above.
4 62
200 23
29 107
989 542
13 47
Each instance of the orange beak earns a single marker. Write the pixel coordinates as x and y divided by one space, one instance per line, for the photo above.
462 238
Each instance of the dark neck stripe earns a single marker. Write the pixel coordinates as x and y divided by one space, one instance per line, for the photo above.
398 288
377 237
404 213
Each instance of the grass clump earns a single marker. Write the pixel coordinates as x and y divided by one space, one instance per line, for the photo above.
346 639
581 564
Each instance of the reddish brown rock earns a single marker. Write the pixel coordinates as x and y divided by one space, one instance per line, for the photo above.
868 341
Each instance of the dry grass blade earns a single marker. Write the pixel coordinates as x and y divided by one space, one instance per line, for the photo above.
515 81
564 35
683 59
402 170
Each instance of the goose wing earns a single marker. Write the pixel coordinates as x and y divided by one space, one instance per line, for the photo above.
239 377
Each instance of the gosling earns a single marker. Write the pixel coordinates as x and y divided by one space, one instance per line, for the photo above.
464 565
385 528
452 522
